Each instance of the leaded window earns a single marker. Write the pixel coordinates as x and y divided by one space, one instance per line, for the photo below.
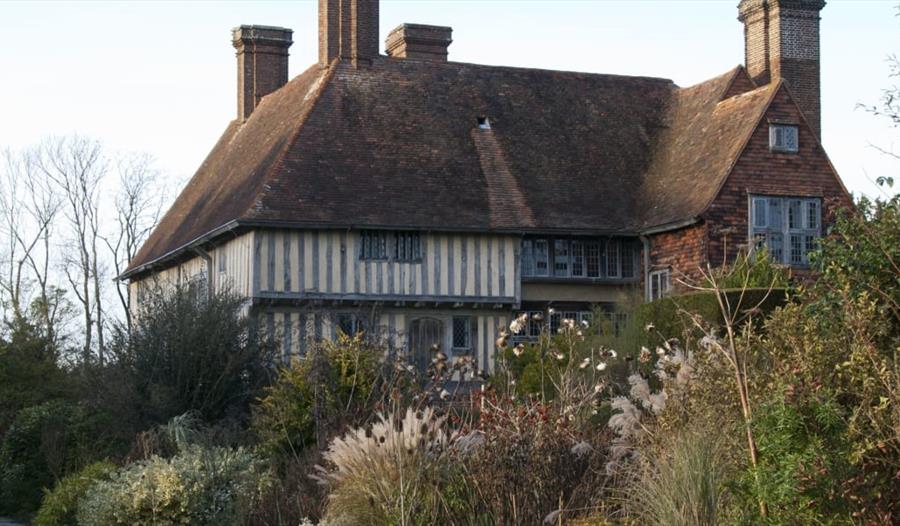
789 228
784 138
387 245
462 333
579 258
407 246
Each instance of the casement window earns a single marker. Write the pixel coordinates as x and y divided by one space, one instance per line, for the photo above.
789 228
660 284
222 261
407 246
784 138
578 258
463 334
386 245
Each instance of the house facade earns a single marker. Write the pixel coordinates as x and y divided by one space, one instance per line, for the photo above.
429 201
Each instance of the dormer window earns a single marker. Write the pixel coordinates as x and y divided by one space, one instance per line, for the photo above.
784 138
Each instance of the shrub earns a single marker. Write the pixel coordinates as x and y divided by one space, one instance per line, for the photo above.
199 486
187 353
60 505
342 383
29 373
44 444
803 461
667 317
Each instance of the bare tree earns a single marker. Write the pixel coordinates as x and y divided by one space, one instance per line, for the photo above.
138 205
76 166
12 226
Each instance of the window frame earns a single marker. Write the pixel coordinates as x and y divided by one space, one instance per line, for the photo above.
784 146
574 258
402 246
660 291
800 220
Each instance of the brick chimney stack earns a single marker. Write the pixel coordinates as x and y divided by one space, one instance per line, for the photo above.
419 41
781 41
262 56
348 29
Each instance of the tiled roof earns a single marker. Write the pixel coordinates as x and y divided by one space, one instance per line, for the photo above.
398 144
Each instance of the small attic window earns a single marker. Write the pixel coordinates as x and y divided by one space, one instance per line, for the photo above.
784 138
484 123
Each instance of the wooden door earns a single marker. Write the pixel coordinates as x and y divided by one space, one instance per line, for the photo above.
424 333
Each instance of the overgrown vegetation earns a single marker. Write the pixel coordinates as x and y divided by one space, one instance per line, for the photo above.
748 401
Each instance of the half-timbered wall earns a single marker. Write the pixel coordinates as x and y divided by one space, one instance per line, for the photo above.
295 329
230 269
327 264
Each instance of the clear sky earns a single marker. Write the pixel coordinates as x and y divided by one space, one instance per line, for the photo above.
160 76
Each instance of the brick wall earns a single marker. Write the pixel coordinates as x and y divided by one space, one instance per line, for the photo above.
760 171
683 251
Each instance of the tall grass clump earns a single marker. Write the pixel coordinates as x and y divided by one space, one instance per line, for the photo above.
388 473
680 484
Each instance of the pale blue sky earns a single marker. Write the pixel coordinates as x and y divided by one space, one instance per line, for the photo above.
160 76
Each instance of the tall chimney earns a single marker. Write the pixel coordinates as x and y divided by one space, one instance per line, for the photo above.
348 29
262 56
419 41
781 41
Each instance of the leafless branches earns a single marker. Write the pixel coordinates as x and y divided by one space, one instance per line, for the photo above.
71 215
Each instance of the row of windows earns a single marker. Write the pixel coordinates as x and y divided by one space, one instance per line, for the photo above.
789 228
578 258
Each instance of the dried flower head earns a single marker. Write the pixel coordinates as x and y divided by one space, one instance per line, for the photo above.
584 363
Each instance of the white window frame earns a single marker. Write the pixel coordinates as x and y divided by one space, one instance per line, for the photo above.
782 224
784 138
659 284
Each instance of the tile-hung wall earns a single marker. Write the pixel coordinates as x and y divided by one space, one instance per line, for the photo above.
327 264
296 328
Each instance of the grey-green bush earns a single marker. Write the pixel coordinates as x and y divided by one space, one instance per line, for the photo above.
199 486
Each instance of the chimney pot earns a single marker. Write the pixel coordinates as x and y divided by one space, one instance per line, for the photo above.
262 56
419 41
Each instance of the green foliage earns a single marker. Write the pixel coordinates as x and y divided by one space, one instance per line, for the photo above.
29 373
667 318
190 353
350 381
45 443
61 504
199 486
803 461
755 270
843 337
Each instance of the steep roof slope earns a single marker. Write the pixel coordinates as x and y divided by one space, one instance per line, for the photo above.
706 128
228 182
398 144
